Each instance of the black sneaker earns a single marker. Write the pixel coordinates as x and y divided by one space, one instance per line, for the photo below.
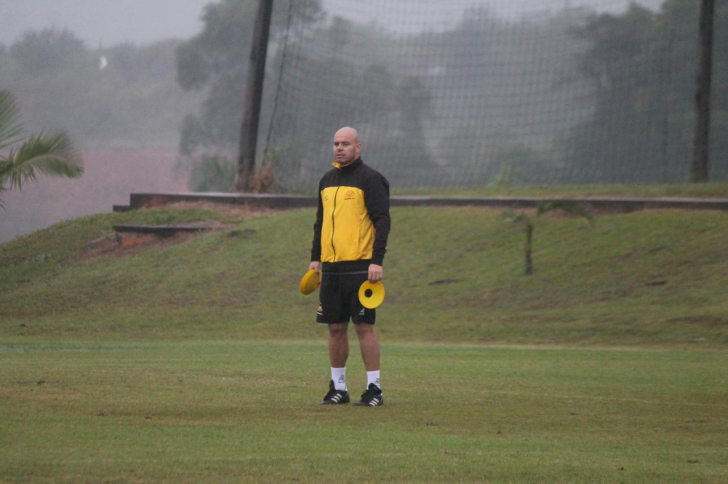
335 397
373 397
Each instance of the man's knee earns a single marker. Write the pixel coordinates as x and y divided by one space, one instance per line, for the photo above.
338 330
363 329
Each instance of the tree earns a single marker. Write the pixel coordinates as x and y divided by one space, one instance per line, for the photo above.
415 104
618 142
216 60
642 67
53 155
47 49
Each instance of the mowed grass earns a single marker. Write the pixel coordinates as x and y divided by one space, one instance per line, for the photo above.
197 360
245 411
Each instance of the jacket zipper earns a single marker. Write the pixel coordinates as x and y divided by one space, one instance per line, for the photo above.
333 223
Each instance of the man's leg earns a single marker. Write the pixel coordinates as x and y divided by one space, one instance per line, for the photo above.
338 344
369 343
338 354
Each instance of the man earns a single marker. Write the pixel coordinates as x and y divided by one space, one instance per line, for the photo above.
349 242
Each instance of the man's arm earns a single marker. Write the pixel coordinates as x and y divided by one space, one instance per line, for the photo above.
377 204
316 244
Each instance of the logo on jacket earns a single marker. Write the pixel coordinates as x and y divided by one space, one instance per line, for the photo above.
349 195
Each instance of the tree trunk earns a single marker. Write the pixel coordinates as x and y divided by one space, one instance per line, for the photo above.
529 243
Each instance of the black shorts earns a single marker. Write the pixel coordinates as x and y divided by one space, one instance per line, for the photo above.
339 299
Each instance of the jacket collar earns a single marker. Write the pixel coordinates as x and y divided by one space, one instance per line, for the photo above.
354 163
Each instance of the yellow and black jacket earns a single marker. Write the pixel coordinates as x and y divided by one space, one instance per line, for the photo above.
352 221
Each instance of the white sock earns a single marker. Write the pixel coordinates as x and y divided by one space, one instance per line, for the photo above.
338 375
373 377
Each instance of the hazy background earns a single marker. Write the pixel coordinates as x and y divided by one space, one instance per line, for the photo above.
122 102
144 21
113 168
108 22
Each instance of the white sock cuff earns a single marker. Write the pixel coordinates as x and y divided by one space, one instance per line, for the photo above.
338 375
373 377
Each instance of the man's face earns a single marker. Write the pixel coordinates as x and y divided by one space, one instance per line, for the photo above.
346 147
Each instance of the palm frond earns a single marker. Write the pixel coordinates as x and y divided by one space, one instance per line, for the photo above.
10 127
50 156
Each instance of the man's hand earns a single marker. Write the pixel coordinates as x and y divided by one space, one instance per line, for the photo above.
314 265
375 273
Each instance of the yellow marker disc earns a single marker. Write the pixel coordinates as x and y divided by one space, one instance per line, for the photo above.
310 282
371 295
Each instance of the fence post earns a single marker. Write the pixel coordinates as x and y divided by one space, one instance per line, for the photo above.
253 96
700 167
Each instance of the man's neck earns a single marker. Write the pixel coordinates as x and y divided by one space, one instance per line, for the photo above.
342 165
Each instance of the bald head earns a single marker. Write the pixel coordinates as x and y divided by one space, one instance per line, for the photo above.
347 146
349 132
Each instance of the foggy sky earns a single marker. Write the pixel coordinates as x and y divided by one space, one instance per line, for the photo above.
111 22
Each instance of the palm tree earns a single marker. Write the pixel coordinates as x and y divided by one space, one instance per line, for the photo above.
544 206
53 155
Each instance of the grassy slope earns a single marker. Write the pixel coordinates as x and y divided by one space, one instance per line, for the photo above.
647 278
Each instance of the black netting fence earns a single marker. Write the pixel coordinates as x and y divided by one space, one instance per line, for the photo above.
473 92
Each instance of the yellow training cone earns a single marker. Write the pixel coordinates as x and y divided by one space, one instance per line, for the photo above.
310 282
371 295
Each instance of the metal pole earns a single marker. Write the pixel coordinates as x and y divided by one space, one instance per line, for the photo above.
253 96
701 137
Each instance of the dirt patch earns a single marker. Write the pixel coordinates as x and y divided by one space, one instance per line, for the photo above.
117 245
132 243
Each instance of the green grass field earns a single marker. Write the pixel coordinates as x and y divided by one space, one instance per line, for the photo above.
244 411
196 360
